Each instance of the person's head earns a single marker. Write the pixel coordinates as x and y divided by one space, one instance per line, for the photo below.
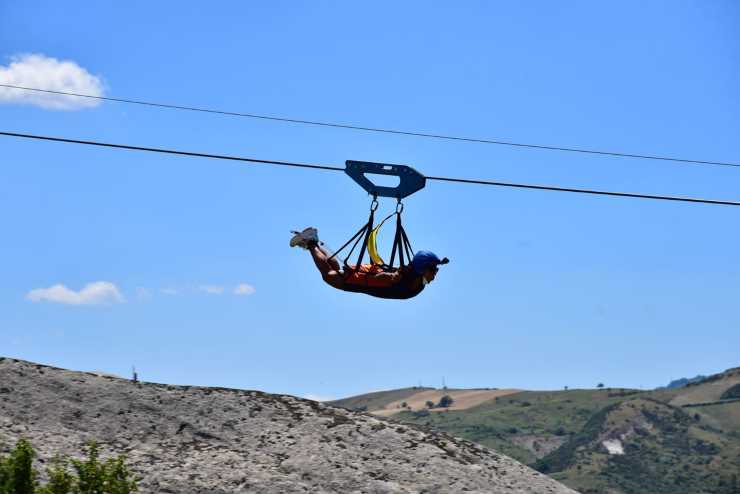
426 264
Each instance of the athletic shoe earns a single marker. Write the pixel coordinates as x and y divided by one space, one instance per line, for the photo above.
305 238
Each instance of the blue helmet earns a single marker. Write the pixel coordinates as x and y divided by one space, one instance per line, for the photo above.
425 259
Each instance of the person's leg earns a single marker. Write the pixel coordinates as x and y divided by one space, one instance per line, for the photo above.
331 260
329 268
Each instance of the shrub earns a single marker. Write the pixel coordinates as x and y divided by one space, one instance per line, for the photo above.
60 480
430 404
17 475
445 401
89 476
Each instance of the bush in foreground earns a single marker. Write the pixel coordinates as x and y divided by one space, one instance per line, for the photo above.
88 476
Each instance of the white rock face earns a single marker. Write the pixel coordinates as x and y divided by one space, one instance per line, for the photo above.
614 446
183 439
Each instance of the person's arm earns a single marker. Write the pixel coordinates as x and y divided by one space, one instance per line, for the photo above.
392 277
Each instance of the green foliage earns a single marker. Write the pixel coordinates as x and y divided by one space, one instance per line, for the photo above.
563 457
60 480
430 404
96 477
445 402
17 475
3 475
118 478
90 473
89 476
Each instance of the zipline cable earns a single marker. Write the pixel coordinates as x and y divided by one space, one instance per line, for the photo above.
335 168
380 130
172 151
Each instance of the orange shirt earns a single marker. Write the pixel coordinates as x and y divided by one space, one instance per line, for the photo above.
372 275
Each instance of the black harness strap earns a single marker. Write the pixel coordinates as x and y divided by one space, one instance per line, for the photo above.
401 243
395 245
355 236
406 243
368 230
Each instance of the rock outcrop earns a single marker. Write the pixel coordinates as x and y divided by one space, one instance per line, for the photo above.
188 439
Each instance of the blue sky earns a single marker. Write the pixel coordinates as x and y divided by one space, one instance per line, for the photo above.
544 289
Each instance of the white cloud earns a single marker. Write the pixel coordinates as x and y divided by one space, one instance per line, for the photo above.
212 289
244 289
97 293
170 291
42 72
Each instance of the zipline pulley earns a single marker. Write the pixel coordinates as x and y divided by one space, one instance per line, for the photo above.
410 181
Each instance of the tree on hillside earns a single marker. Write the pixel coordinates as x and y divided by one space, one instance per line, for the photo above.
445 402
430 404
600 385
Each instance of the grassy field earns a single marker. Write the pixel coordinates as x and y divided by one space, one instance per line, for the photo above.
377 400
462 399
725 417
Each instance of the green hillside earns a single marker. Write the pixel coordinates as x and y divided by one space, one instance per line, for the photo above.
525 425
618 441
664 451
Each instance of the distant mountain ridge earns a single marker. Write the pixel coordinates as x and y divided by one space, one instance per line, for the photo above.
680 383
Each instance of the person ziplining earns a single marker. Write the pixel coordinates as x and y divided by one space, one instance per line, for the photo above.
372 279
377 278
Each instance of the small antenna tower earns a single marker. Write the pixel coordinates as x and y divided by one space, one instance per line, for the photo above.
135 377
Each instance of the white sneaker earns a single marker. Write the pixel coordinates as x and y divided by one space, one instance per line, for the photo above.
302 239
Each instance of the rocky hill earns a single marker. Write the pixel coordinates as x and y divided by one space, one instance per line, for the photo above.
182 439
